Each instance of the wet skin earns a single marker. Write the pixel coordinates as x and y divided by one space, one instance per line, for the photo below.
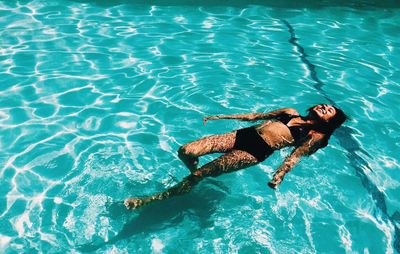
276 134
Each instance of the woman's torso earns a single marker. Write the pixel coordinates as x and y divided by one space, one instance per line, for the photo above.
287 130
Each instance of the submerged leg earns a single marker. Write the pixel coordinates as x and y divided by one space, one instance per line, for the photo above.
190 152
181 188
226 163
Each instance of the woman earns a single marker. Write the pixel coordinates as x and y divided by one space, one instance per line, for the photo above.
249 146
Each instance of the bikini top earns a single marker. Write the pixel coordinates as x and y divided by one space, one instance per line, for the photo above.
298 132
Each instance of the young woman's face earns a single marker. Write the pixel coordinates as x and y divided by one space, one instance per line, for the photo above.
324 111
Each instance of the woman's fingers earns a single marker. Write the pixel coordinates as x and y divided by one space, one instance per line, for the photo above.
272 185
205 120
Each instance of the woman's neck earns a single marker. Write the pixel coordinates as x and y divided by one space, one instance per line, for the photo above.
304 121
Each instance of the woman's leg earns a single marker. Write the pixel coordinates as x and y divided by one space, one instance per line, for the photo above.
229 162
190 152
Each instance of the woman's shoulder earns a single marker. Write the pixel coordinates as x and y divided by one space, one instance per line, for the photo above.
290 111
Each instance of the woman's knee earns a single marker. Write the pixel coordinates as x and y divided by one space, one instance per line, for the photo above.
207 172
184 151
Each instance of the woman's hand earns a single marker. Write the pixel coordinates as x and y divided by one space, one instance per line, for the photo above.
272 184
205 119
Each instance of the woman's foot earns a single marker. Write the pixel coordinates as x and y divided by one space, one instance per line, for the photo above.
133 203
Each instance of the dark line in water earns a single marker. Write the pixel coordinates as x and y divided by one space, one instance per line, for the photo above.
350 144
303 57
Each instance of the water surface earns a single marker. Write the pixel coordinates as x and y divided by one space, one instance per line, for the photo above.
96 97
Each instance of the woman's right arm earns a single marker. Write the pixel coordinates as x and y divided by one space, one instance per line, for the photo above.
254 116
314 143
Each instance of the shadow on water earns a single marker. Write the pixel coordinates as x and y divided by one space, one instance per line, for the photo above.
287 4
352 147
200 204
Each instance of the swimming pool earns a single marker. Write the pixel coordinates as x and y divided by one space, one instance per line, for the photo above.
97 96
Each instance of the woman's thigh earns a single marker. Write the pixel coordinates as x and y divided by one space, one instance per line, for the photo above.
220 143
229 162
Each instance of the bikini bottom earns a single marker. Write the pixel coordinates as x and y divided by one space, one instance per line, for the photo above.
248 140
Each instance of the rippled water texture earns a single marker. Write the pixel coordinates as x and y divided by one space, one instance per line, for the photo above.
96 97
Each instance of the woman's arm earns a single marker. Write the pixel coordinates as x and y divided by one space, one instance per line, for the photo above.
254 116
308 147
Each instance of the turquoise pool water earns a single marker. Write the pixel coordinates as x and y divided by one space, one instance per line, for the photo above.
96 97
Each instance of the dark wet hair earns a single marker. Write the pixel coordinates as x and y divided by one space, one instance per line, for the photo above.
330 126
338 119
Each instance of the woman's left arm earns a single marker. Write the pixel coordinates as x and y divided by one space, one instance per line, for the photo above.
254 116
306 148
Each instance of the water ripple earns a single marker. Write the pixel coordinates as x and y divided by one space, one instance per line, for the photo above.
96 98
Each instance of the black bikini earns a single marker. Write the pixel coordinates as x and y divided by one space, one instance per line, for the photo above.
298 132
248 139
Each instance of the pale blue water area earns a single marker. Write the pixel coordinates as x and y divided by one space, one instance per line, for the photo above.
97 96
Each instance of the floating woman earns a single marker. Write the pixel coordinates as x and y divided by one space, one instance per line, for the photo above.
249 146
